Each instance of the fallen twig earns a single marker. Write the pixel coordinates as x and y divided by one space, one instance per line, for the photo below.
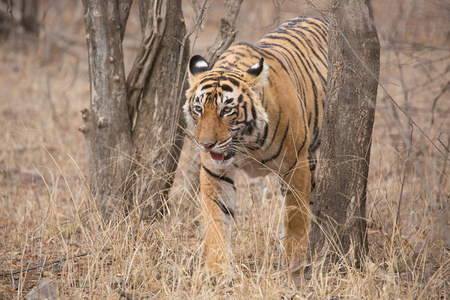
54 261
130 296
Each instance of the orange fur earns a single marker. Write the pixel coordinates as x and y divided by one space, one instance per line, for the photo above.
259 109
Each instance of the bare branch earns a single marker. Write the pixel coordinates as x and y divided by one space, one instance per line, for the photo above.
48 263
154 30
435 100
179 88
198 24
227 32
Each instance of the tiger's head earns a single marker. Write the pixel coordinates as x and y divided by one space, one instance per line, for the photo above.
224 108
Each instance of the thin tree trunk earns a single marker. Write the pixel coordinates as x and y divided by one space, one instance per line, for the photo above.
156 103
339 227
106 124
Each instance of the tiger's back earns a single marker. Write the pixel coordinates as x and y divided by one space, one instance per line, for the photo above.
259 109
297 55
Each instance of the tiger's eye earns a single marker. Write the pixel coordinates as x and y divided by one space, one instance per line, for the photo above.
198 109
226 110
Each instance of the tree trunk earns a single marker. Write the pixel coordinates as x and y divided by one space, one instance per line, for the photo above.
29 16
156 100
6 21
106 124
338 229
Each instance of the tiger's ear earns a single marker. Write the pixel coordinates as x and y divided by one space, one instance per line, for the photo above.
197 65
257 75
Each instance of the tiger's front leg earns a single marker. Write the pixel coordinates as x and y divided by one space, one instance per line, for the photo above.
218 205
296 213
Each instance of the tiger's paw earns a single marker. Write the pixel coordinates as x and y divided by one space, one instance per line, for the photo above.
294 255
218 276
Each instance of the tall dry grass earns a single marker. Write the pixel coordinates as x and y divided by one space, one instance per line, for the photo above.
47 216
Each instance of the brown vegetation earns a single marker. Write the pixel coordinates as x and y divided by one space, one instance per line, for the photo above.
44 198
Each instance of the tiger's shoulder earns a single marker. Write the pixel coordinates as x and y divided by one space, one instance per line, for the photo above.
296 39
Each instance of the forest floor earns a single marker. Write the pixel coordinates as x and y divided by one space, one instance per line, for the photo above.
49 229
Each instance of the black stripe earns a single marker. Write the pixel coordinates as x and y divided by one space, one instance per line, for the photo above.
279 149
310 64
321 58
288 55
296 158
253 109
318 34
206 86
244 109
299 55
316 120
232 79
218 76
298 33
226 88
220 177
302 39
228 101
266 54
275 131
303 143
262 140
225 209
208 78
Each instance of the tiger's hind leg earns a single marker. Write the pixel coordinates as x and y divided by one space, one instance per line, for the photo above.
296 213
218 205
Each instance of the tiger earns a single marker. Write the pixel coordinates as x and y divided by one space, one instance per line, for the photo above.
259 109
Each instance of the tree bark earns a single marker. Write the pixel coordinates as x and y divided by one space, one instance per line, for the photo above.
338 229
106 124
156 103
132 130
124 12
132 127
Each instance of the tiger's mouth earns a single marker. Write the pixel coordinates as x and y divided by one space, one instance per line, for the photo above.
221 156
217 156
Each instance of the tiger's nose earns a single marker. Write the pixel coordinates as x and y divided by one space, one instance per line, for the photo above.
207 145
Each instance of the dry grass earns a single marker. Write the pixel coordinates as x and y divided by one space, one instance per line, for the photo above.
44 201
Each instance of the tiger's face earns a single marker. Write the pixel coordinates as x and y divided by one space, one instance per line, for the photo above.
224 109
